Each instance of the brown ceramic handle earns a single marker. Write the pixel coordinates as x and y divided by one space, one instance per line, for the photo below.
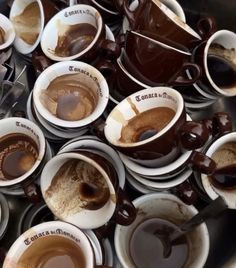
193 135
186 193
110 49
182 79
107 68
202 163
121 39
107 230
123 7
125 212
221 124
40 63
206 27
3 254
33 193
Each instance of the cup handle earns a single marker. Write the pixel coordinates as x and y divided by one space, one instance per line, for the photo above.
123 7
33 193
126 212
181 78
206 27
110 49
221 124
3 254
186 193
193 135
202 163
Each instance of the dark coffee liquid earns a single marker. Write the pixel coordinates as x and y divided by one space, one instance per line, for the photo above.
18 153
53 252
146 249
225 177
225 174
146 124
222 71
75 39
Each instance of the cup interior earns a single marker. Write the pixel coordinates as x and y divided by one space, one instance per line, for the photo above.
17 9
137 103
169 207
58 25
82 216
49 230
9 32
223 45
90 77
212 191
23 126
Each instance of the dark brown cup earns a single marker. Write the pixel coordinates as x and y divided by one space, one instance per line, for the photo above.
215 80
166 145
158 62
157 20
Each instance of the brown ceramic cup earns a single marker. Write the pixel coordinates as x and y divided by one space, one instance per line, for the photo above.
158 62
157 20
144 144
217 56
58 38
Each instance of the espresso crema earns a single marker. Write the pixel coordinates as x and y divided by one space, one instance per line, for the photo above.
28 23
77 185
68 98
2 36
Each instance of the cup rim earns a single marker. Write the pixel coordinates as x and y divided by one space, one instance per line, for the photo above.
42 150
170 197
50 24
105 9
212 191
57 121
75 219
42 228
148 90
27 49
12 35
159 43
208 44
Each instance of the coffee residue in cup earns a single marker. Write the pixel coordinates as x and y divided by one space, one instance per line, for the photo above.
68 98
146 124
2 36
52 251
18 153
72 39
225 158
221 64
77 185
146 249
28 23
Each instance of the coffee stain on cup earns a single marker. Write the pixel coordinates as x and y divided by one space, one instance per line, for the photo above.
2 36
118 116
133 106
28 23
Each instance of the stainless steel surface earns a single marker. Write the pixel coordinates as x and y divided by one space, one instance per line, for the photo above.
223 229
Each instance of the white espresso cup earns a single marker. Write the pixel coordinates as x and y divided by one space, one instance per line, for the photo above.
167 207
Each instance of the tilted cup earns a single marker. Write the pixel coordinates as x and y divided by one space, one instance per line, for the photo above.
163 146
217 57
56 35
7 33
18 126
100 204
158 62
